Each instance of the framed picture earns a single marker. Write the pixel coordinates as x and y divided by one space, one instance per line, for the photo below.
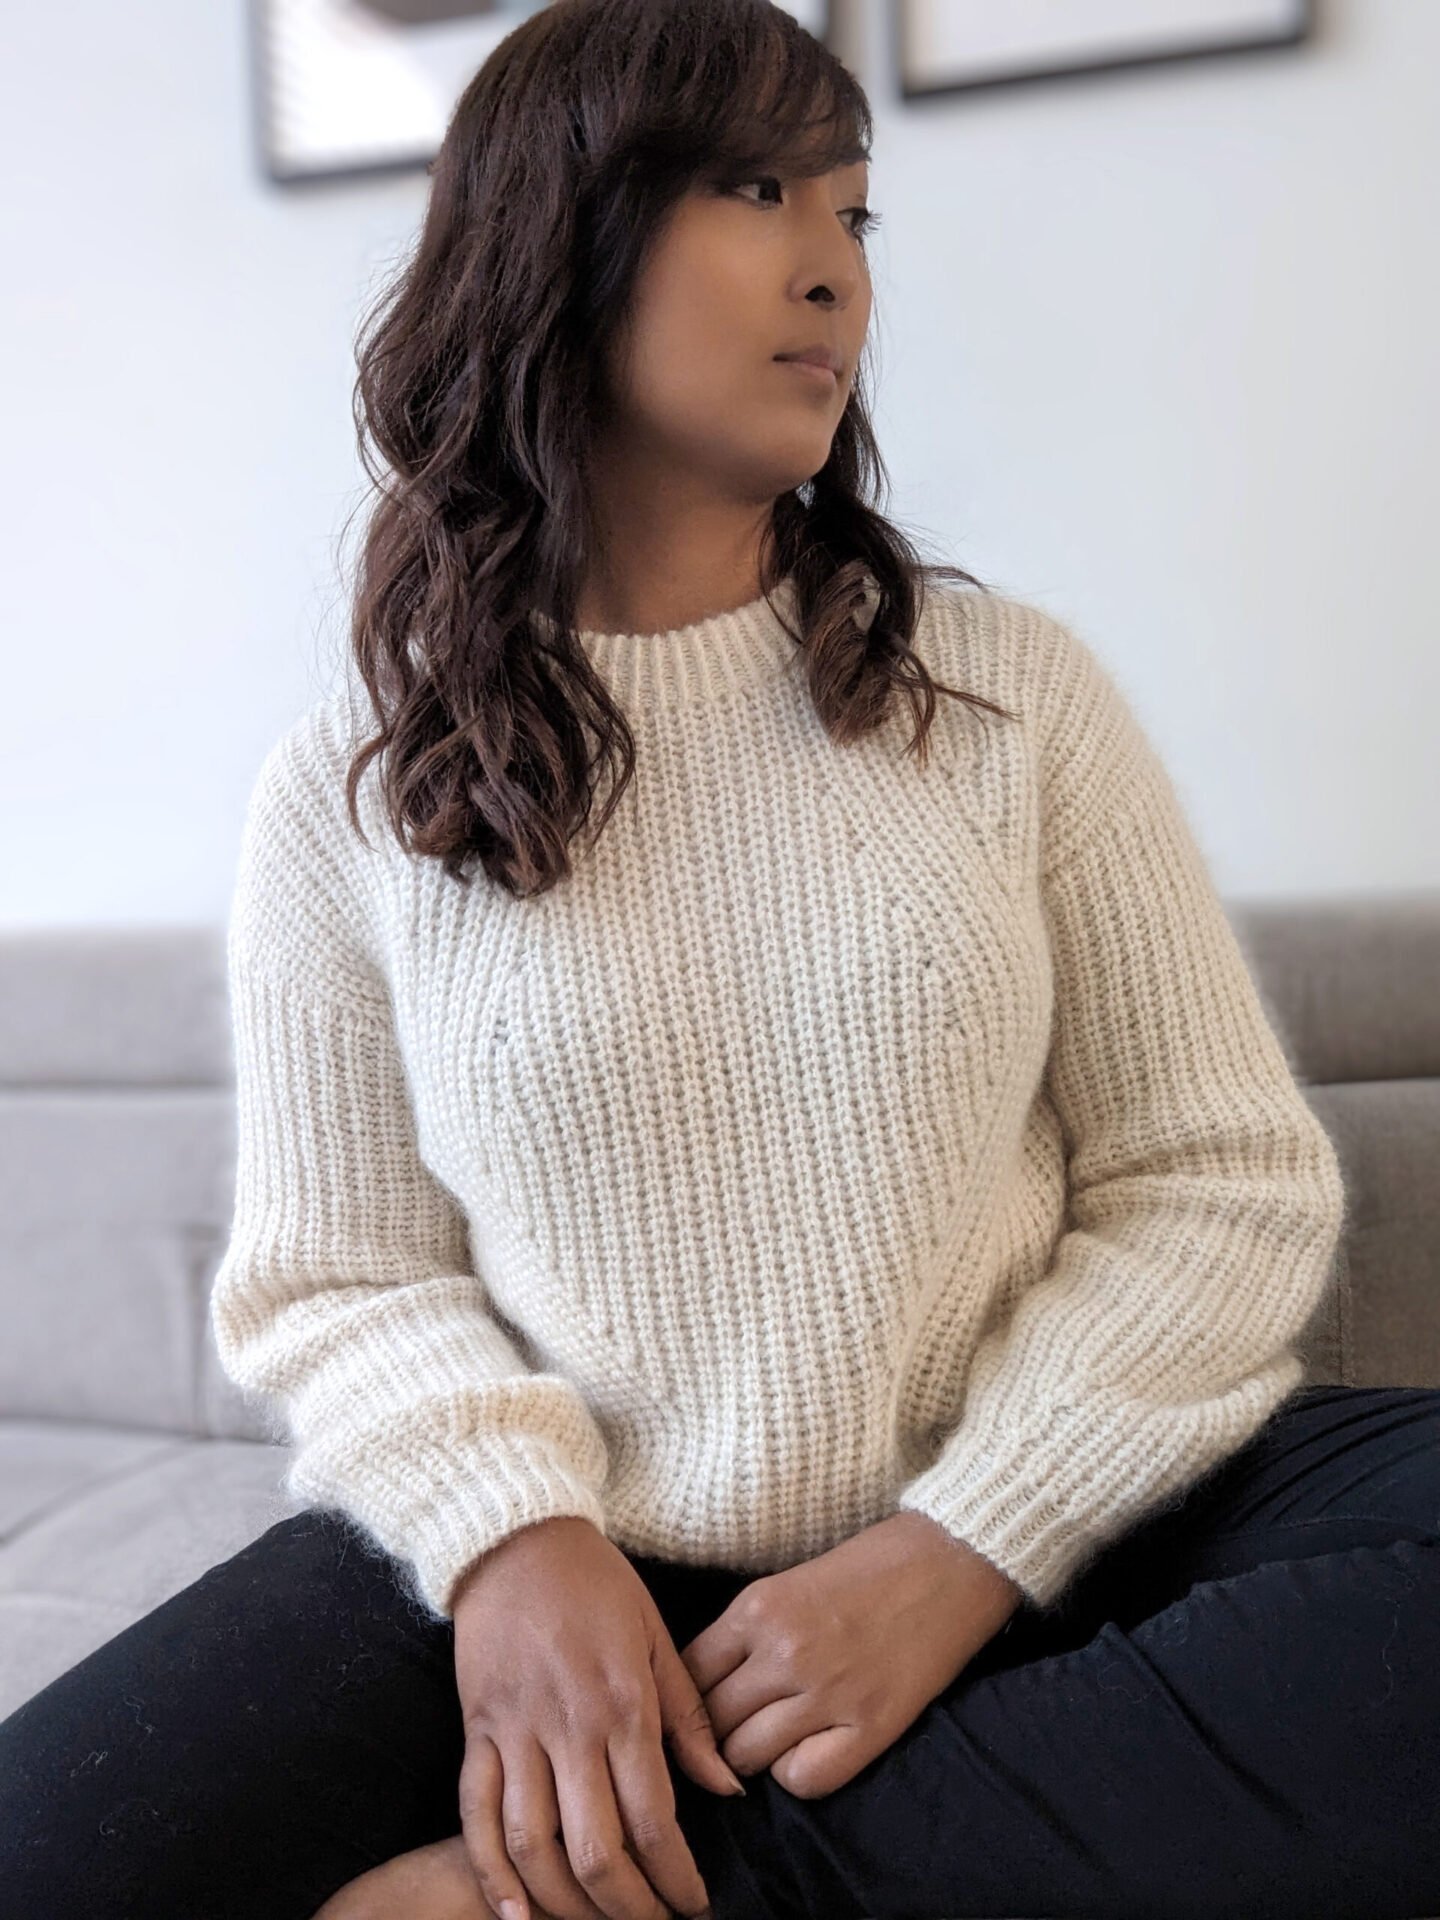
344 87
951 46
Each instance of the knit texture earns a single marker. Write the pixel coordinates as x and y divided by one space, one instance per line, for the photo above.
845 1135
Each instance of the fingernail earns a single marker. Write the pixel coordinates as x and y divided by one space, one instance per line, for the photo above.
739 1786
512 1910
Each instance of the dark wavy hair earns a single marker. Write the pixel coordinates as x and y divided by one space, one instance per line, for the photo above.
479 382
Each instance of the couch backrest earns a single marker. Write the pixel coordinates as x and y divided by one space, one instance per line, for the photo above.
1353 986
117 1153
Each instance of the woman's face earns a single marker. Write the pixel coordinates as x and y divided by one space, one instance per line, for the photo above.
738 275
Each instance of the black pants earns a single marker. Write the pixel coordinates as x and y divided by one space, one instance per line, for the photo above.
1237 1713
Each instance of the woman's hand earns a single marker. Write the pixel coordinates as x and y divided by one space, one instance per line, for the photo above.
568 1683
814 1671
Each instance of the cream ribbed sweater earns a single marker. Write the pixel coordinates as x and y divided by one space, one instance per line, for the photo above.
843 1136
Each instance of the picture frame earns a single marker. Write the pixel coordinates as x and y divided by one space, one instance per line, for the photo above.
963 46
348 88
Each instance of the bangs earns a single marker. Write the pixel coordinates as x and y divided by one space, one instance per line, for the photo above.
754 88
801 122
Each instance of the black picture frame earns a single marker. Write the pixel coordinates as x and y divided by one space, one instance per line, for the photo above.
1279 24
283 159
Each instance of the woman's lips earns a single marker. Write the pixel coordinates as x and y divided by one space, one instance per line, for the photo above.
814 369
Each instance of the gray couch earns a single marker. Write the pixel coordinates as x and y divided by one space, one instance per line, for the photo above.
128 1463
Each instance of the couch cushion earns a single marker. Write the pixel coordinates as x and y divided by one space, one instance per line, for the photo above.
99 1524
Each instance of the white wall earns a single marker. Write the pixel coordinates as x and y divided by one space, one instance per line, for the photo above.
1177 323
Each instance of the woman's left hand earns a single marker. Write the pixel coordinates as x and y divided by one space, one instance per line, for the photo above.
814 1671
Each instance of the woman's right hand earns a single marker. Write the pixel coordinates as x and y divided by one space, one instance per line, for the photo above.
568 1682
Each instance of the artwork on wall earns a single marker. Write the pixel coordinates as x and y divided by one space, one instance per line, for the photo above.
946 46
366 86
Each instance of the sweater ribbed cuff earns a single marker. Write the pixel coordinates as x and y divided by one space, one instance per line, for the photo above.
440 1507
1002 1502
1041 1503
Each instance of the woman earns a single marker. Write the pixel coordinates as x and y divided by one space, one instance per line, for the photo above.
804 1286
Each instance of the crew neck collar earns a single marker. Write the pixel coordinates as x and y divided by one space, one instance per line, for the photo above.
720 654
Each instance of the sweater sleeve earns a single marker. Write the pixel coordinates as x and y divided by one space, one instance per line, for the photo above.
346 1292
1205 1200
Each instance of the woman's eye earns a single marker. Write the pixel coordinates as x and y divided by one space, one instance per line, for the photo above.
865 220
761 179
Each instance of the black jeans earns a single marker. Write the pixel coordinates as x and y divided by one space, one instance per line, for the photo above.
1236 1713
